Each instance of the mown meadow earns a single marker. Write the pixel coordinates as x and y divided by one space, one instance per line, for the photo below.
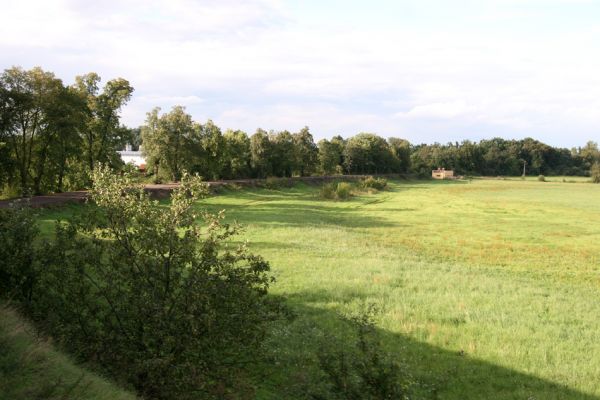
482 288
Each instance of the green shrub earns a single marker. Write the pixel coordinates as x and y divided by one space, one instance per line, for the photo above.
336 191
275 183
343 191
595 172
130 168
373 183
541 178
327 191
10 192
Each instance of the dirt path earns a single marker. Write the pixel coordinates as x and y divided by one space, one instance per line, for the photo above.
163 190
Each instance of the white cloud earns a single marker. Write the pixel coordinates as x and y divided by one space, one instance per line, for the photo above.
444 110
255 63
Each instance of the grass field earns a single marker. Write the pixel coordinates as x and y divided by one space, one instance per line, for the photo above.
485 289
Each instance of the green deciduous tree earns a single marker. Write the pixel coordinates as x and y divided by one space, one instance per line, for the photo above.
41 121
211 157
260 154
282 156
168 141
306 152
367 153
103 134
237 154
595 172
400 149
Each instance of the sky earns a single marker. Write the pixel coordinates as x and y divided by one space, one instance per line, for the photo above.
424 70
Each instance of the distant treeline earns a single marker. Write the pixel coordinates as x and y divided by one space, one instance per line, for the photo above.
52 135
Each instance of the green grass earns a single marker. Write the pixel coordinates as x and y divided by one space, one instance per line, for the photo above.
487 289
30 368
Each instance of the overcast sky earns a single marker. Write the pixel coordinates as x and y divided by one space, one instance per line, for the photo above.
424 70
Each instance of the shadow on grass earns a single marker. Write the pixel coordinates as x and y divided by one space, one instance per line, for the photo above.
439 373
280 213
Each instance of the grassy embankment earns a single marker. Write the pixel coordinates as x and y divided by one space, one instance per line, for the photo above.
487 289
30 368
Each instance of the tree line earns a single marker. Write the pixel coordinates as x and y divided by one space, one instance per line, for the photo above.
52 135
173 143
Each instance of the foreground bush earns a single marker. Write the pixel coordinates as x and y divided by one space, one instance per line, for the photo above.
159 302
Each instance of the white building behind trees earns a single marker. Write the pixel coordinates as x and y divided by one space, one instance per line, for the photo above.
133 157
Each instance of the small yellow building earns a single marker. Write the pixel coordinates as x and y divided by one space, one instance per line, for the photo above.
442 173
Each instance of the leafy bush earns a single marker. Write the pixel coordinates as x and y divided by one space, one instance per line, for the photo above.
595 172
373 183
10 192
343 191
274 183
336 191
541 178
328 191
146 293
130 168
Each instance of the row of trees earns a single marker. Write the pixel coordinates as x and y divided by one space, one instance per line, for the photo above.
173 142
52 134
505 157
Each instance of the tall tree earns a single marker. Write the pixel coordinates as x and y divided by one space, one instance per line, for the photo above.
237 149
330 156
27 98
282 157
66 121
400 149
167 141
103 134
367 153
305 152
212 144
260 154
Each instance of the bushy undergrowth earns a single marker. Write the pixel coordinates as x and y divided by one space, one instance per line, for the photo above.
156 300
595 172
344 190
336 191
373 183
275 183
